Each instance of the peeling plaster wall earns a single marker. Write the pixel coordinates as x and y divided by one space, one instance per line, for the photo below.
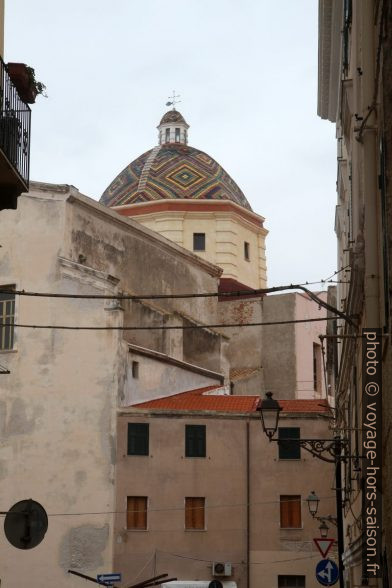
58 405
157 379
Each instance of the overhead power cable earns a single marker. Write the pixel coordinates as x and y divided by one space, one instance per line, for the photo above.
167 327
176 508
256 292
254 563
136 297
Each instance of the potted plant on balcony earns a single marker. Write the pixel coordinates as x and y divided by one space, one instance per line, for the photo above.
23 78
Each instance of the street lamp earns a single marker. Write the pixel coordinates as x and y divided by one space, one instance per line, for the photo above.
269 411
313 502
323 528
329 450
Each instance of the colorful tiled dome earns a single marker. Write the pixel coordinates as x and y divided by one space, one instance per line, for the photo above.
169 171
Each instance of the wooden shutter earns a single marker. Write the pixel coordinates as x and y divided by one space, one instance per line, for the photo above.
290 511
136 512
194 513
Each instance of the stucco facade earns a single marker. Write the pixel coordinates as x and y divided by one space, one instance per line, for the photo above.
293 364
241 478
59 402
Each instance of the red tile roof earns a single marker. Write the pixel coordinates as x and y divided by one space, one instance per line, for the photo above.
199 400
299 405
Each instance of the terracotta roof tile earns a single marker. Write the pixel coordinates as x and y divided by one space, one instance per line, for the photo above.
198 400
299 405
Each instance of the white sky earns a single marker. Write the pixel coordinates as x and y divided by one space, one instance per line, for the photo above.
247 74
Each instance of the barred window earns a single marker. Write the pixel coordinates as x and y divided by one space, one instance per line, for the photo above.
7 319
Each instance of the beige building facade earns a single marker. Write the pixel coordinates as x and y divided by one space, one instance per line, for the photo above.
240 502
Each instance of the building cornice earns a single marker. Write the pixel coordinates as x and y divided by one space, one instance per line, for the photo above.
190 206
329 57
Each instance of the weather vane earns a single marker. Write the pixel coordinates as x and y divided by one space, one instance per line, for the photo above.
172 100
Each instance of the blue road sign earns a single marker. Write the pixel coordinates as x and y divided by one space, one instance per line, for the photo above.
327 572
109 578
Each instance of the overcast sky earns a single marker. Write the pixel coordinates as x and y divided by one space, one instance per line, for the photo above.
247 75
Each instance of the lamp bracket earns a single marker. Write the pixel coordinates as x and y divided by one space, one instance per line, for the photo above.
329 450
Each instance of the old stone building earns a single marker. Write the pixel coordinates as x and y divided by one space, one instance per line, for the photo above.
355 65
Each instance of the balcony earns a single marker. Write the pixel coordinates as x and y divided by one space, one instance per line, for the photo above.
14 142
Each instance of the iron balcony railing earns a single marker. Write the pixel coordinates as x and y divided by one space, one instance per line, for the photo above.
15 117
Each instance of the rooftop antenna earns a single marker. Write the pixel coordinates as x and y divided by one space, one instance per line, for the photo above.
173 100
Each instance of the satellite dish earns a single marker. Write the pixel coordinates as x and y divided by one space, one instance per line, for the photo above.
25 524
169 103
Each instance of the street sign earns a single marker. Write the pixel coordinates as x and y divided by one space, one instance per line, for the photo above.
109 578
327 572
324 545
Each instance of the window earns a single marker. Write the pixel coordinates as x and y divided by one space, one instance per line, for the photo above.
317 367
291 581
199 241
290 512
137 512
289 449
177 135
195 513
246 251
195 440
135 369
138 439
167 135
7 319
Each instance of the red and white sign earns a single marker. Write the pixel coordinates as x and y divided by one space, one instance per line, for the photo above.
324 545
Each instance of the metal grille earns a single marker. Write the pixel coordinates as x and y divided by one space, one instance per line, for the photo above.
15 118
7 317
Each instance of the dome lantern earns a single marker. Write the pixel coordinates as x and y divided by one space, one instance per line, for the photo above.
173 128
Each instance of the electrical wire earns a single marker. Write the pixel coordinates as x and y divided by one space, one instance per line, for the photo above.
166 327
136 297
238 563
174 508
337 272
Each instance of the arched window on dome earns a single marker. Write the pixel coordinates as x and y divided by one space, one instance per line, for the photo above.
167 138
177 135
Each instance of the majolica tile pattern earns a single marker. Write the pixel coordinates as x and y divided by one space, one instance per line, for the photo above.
177 171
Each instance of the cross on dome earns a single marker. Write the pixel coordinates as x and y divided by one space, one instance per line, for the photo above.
172 100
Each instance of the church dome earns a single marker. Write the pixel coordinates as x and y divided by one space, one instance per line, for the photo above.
172 170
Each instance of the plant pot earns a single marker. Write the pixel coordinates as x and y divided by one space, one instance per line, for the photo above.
21 79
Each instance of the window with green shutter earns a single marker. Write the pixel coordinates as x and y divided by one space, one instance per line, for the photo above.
138 439
195 440
289 447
